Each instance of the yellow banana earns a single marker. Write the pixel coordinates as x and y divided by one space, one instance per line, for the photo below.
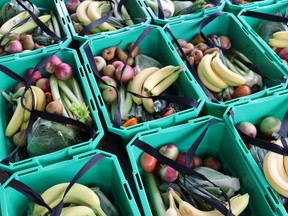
77 211
81 12
165 84
225 72
29 97
209 73
94 13
40 98
205 82
159 75
30 25
238 205
78 194
9 24
274 171
281 35
138 80
281 43
24 125
16 120
147 103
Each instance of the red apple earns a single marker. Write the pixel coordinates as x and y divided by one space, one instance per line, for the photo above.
197 161
169 150
44 84
168 174
36 75
248 128
212 163
182 159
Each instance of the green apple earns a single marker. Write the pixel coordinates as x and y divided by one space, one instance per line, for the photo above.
270 125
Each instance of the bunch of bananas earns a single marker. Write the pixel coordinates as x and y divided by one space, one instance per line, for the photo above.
21 116
215 75
87 202
89 11
279 39
153 81
275 168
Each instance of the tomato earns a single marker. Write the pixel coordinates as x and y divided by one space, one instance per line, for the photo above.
241 91
147 162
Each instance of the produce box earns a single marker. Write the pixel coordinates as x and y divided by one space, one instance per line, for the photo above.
274 105
191 15
249 46
156 46
135 9
235 162
236 8
44 7
70 57
113 184
253 25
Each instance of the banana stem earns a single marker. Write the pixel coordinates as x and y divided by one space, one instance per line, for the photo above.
7 97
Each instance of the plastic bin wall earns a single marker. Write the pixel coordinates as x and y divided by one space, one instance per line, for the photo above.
156 46
254 111
135 9
218 142
63 25
113 184
236 8
227 24
66 55
209 10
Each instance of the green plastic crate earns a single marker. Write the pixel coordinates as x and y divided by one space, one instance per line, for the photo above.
49 5
112 183
156 20
69 56
254 112
252 23
135 8
227 24
155 45
235 9
225 147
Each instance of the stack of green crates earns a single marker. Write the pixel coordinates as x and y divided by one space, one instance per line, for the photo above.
43 7
254 111
242 40
106 174
24 63
219 142
135 9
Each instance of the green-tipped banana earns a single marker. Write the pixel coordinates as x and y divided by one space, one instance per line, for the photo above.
16 120
30 25
78 194
77 211
28 102
165 84
138 80
280 43
8 25
159 75
94 13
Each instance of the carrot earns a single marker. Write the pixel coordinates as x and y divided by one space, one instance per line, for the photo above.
130 122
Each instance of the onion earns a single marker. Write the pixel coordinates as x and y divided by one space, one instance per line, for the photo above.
63 71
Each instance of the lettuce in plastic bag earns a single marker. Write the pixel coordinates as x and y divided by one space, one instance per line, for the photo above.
47 136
